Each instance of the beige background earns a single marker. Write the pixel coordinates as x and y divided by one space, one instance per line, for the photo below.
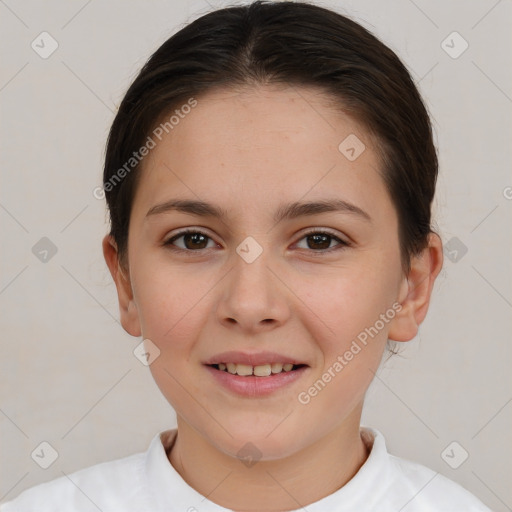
68 374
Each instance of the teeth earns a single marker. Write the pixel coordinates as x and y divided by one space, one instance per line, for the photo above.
244 369
262 370
277 367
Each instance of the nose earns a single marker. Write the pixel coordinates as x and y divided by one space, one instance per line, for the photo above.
253 299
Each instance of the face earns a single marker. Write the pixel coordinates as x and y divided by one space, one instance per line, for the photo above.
257 287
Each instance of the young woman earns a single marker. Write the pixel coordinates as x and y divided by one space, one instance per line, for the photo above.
269 177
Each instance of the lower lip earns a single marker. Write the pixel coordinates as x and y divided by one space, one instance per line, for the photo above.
253 386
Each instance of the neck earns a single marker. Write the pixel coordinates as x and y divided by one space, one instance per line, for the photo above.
276 485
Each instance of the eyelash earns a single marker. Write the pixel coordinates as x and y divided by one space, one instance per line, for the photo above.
342 244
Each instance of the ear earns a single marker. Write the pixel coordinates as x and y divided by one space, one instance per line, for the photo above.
415 291
127 307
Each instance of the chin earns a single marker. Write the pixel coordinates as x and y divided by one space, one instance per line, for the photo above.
265 442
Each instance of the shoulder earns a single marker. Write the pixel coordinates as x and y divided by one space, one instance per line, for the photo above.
400 484
426 489
109 486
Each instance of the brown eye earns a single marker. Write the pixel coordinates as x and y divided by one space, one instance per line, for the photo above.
321 241
191 240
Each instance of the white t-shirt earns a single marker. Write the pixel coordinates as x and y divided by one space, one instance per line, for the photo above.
147 482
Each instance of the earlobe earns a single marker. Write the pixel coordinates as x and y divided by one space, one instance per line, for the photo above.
129 314
416 290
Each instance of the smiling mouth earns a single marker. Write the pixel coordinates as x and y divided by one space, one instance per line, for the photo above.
262 370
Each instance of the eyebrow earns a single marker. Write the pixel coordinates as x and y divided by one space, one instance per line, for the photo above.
284 212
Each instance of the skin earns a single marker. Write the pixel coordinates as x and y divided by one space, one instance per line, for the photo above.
249 151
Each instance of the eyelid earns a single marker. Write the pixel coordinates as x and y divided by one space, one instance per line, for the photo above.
327 231
342 242
341 239
184 231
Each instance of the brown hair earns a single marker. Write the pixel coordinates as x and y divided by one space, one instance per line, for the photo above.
293 43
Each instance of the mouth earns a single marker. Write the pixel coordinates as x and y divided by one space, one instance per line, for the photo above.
261 370
255 374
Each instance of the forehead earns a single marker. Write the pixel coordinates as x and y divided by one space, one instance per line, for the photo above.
256 147
269 119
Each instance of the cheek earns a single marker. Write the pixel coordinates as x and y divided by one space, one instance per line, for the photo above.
171 303
172 307
351 336
347 300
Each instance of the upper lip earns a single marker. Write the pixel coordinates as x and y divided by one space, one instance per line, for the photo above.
253 359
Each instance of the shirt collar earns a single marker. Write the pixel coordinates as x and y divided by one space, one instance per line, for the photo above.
170 492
